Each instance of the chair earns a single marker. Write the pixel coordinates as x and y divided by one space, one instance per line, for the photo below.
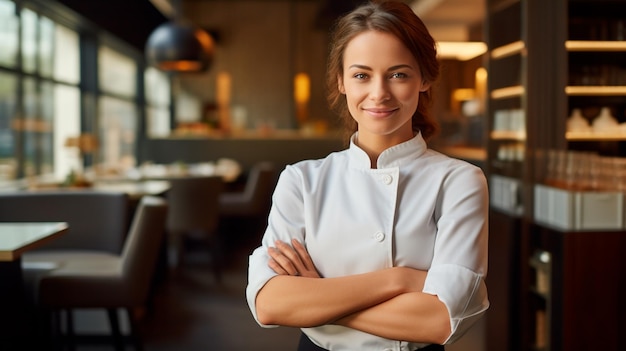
193 216
109 281
255 199
243 215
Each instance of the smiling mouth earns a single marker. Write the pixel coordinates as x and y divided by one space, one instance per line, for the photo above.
380 112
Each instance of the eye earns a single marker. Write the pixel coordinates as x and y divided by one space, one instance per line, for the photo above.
360 76
399 75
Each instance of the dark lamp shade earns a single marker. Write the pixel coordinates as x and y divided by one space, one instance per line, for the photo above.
180 47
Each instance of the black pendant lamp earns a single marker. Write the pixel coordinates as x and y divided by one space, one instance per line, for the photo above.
178 46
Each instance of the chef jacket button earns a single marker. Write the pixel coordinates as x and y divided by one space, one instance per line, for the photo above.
387 179
380 236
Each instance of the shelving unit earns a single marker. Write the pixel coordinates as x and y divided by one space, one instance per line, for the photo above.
547 58
596 52
507 162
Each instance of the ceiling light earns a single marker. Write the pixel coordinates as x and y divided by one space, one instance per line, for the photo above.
180 47
461 51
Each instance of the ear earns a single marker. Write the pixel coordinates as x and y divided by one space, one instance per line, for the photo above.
425 86
340 86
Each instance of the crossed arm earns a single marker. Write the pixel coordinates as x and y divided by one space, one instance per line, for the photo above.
388 303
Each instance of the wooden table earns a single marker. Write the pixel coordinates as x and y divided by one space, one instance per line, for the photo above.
15 239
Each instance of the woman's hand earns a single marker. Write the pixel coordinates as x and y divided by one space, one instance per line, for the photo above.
292 259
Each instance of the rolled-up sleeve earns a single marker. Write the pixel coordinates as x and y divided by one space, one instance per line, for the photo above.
459 268
465 305
258 275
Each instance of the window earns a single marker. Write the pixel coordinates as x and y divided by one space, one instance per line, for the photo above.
29 40
9 25
46 105
46 46
66 101
8 161
117 112
39 110
117 133
117 73
158 100
66 55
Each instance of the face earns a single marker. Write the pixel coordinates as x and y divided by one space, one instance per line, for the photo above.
382 82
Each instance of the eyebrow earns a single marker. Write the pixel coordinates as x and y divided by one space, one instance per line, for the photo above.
392 68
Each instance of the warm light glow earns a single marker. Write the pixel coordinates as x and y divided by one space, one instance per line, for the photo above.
180 66
503 93
461 51
223 95
86 143
301 95
224 85
599 90
302 88
481 75
460 95
590 45
508 50
480 82
463 94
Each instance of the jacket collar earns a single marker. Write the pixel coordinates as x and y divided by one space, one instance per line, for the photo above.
394 156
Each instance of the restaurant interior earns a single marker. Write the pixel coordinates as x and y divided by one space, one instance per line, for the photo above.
140 142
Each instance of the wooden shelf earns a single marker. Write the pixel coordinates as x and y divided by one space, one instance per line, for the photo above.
508 135
599 90
589 45
507 92
507 50
589 136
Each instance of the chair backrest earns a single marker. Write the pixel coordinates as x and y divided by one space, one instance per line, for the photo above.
256 198
142 246
259 187
193 203
97 220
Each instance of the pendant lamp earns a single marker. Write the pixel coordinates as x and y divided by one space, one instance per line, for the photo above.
178 46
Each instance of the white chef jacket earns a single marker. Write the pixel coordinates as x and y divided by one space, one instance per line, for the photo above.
418 209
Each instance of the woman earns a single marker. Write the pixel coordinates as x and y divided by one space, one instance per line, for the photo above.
382 246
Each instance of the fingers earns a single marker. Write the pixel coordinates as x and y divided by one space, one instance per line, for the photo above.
290 253
308 269
303 254
276 267
281 263
292 260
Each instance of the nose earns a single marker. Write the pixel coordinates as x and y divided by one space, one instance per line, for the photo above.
379 90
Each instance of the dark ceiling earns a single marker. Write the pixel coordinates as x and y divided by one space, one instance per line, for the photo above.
134 20
130 20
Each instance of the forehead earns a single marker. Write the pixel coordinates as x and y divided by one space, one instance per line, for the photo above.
377 47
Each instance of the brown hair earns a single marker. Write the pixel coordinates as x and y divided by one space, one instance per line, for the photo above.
398 19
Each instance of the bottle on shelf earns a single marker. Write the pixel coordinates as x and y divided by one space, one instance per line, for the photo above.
605 122
577 122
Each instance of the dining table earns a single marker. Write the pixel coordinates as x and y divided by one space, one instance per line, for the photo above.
135 189
16 238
